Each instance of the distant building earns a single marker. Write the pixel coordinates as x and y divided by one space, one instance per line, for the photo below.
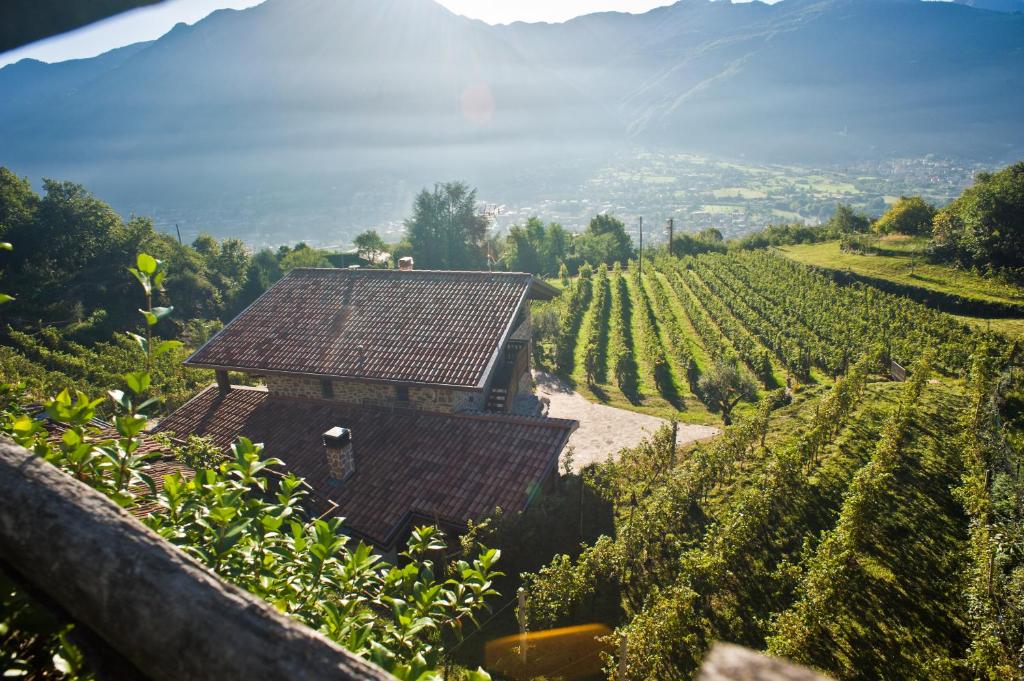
402 397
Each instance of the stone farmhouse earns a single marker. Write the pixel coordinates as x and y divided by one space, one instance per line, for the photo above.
403 397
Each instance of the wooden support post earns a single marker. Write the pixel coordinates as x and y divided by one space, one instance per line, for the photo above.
166 614
223 384
623 658
640 262
523 623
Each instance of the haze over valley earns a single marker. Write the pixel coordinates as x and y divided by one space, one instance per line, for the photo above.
315 119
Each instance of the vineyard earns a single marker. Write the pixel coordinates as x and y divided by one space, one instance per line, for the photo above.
862 526
643 337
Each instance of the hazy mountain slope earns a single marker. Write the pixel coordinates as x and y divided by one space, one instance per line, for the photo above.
802 79
331 113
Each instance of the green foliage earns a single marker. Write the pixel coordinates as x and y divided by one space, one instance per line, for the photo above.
724 386
574 302
620 335
302 256
808 632
537 249
605 241
446 231
984 227
909 215
845 220
990 493
594 332
784 235
370 246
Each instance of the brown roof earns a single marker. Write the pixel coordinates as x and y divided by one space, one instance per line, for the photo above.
453 467
432 327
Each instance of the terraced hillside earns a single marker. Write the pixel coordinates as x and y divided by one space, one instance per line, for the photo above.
642 338
854 533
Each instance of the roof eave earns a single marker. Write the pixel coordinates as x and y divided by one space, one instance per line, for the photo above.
541 290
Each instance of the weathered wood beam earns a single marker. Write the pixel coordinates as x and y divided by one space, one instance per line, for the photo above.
166 614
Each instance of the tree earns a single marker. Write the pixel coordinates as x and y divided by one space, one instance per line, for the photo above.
605 241
370 246
725 386
536 248
303 256
984 227
446 231
847 221
909 215
18 203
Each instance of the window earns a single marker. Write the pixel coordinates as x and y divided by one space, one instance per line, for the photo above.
327 388
401 393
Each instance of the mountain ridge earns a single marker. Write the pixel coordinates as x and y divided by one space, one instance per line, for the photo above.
366 100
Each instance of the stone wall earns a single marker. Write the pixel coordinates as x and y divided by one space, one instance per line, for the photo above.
378 394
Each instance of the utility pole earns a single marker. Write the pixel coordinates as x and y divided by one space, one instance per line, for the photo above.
641 262
671 229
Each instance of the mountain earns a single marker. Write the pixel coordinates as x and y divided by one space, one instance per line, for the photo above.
315 117
809 80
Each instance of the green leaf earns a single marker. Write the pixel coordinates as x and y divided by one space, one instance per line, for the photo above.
166 346
141 341
4 298
138 381
146 263
150 317
5 246
161 312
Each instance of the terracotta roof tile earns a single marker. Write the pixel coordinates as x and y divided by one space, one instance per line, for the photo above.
455 467
386 325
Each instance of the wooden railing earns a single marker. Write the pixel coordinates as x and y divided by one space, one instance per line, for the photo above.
163 613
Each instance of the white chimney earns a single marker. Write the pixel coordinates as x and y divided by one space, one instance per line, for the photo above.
340 458
405 264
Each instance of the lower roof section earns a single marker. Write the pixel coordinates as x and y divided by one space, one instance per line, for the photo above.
452 467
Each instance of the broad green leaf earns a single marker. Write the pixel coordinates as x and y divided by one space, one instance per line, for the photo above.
138 381
166 346
5 246
4 298
146 263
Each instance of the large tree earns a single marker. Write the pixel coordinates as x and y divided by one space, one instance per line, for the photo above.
984 227
909 215
446 231
605 241
536 248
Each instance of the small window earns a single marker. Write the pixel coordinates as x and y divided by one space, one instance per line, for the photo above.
401 393
327 388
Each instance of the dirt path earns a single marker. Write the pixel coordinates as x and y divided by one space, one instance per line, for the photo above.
604 430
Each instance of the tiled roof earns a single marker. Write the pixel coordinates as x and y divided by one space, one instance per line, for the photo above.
450 467
410 327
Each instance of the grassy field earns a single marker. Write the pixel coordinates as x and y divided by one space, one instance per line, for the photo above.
904 264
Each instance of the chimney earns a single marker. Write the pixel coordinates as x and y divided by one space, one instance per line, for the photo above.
405 264
340 457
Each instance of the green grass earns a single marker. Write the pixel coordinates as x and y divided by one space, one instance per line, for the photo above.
906 266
